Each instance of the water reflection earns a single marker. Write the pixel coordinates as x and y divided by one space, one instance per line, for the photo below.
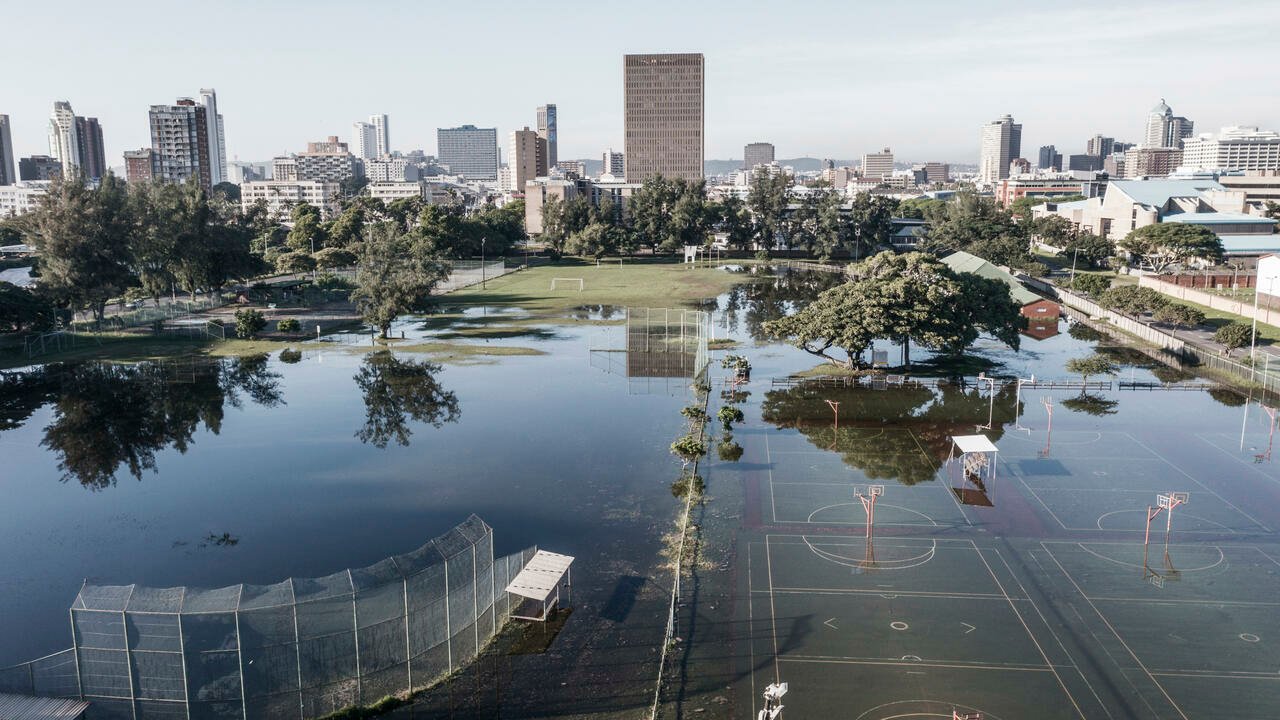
773 296
397 391
106 416
871 435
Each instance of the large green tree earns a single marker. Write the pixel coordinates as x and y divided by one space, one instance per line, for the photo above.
1161 245
395 274
767 198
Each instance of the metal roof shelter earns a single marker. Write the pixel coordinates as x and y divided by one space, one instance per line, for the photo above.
540 580
978 468
24 707
974 444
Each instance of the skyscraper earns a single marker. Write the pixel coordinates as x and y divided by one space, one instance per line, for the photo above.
7 176
64 141
1164 129
664 124
469 151
382 134
1050 158
547 131
1100 146
757 153
1001 143
364 140
876 165
138 165
527 157
180 143
92 158
216 141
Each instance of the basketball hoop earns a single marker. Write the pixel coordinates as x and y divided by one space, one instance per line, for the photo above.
1165 502
867 496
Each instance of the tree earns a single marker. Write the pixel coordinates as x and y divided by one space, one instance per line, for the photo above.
1088 250
1233 335
909 297
295 262
554 235
767 199
651 208
307 234
978 226
82 236
1021 208
733 219
332 257
596 240
1161 245
396 391
20 308
1090 284
1132 299
395 275
869 223
228 191
1095 364
1179 315
690 221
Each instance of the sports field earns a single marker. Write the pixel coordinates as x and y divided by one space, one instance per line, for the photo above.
1028 595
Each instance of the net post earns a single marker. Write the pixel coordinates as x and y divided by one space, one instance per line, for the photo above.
448 624
182 651
355 630
75 654
475 600
297 646
128 655
244 702
408 648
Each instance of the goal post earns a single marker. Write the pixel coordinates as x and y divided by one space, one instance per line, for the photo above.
568 281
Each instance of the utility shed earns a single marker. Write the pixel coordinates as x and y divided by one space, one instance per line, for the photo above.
1033 306
26 707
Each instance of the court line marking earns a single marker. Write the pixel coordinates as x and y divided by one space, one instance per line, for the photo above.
1179 601
946 486
1218 675
751 640
1202 485
811 521
1071 579
891 591
914 663
1064 526
1222 557
773 613
1031 635
1045 621
1097 437
1249 465
901 564
1043 504
768 458
1097 641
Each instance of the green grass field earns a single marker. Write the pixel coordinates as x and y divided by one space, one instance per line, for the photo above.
637 283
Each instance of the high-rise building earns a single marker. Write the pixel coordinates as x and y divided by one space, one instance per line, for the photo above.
1050 158
1235 148
382 134
1100 146
469 151
64 141
364 140
180 143
936 172
1001 143
327 161
757 153
7 176
1019 166
664 123
1084 162
877 165
1149 162
527 157
39 167
613 163
217 139
93 159
138 165
547 131
1164 129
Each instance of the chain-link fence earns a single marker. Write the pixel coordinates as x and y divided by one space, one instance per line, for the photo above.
666 343
301 648
472 272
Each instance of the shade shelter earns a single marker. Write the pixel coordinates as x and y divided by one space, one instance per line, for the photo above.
540 581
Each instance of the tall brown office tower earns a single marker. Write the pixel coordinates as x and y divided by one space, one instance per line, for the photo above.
664 119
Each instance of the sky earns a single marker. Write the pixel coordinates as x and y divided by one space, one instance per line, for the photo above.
819 78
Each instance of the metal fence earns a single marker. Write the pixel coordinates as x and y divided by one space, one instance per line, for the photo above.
472 272
301 648
147 315
667 343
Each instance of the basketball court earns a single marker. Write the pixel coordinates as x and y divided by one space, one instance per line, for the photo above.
1041 600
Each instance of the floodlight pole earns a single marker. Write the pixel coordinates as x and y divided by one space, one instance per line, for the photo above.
482 276
1017 402
991 409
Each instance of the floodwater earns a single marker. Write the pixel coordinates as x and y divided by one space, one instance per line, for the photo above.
251 470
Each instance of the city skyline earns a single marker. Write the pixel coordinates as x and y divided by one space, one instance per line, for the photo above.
952 60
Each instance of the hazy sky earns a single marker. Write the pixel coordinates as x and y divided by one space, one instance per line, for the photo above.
824 79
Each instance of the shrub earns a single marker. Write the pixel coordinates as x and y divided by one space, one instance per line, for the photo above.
729 451
737 363
334 257
762 255
290 356
288 325
248 323
728 415
688 448
686 484
695 413
1179 315
1233 335
1132 299
1095 364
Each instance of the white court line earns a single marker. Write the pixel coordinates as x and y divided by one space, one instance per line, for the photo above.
768 458
1171 601
1035 606
773 613
1251 466
1031 635
1225 675
751 622
887 591
1202 485
913 663
1116 633
946 484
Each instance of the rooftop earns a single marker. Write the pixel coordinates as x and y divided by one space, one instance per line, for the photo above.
961 261
23 707
1158 192
1217 218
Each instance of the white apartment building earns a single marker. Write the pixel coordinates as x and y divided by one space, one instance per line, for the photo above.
614 163
281 196
1234 148
382 134
1001 143
877 165
390 169
64 138
21 198
391 191
284 168
217 137
364 140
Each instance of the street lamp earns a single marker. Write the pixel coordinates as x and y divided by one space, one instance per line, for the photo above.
1074 255
1253 342
482 276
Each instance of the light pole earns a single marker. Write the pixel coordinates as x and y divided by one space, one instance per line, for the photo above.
1253 341
482 275
991 409
1074 255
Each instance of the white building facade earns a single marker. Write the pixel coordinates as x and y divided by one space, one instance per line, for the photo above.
281 196
1001 143
1234 148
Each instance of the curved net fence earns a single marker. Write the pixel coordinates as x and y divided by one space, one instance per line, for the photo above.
301 648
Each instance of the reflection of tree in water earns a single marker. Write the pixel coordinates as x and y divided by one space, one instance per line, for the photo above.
774 296
396 391
1091 404
1132 357
931 416
106 416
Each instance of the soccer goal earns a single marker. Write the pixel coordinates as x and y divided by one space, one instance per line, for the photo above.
567 281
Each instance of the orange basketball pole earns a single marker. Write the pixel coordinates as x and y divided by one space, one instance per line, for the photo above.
835 408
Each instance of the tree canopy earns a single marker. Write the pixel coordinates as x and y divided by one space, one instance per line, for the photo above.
1161 245
395 274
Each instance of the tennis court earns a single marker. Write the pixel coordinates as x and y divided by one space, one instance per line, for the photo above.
1040 601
